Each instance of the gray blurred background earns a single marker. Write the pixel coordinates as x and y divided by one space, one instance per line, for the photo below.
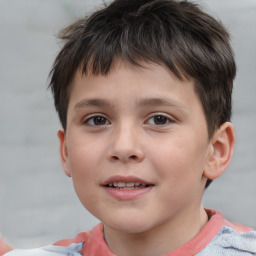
37 202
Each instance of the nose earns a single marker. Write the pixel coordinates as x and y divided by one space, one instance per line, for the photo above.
126 145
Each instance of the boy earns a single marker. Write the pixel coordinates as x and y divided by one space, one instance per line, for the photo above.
143 91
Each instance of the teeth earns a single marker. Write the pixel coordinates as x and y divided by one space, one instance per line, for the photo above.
128 185
120 184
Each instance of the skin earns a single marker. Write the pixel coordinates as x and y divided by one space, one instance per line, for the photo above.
143 123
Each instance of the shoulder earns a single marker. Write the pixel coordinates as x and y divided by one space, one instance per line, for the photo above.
231 239
4 246
227 238
230 242
49 250
66 247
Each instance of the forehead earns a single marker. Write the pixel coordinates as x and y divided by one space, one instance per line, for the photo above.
148 84
123 74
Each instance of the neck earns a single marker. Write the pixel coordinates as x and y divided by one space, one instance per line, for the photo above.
159 240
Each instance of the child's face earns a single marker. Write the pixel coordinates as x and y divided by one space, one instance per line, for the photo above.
139 128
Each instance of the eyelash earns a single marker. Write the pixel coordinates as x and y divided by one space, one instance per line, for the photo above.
93 119
162 118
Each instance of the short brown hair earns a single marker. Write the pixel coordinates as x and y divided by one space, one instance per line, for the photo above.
172 33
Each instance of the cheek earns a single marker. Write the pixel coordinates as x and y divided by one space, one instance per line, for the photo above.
83 172
84 152
180 169
180 160
84 158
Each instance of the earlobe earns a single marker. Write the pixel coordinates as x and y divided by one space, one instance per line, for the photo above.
64 153
221 151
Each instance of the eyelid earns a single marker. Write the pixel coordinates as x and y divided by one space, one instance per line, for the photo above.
170 118
91 116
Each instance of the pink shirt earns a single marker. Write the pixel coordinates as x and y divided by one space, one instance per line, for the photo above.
4 247
218 237
95 245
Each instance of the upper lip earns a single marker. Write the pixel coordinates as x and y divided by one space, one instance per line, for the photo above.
125 179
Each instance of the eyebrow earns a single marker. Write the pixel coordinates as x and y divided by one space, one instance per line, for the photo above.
92 103
141 102
161 102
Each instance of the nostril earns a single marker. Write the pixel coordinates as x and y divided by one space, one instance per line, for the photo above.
125 157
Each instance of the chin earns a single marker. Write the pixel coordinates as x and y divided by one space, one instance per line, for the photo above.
128 225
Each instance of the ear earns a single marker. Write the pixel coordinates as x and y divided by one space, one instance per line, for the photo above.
64 153
221 151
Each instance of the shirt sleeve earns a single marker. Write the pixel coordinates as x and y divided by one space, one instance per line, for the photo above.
230 243
4 246
50 250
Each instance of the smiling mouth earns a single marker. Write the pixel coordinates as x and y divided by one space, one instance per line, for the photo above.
125 188
127 185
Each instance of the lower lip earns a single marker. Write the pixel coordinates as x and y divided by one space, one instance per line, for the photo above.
129 194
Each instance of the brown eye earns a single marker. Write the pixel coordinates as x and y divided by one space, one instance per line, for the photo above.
97 121
159 120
